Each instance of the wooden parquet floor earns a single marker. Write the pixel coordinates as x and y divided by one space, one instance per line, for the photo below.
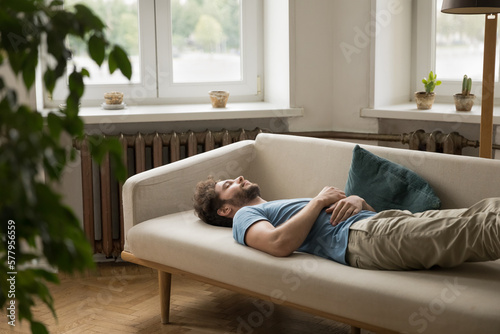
123 298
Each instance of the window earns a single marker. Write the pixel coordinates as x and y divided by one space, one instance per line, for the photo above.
213 45
459 45
179 50
451 45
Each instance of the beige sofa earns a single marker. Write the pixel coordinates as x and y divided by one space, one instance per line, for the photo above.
162 232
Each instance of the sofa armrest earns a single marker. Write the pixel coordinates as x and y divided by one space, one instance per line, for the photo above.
169 189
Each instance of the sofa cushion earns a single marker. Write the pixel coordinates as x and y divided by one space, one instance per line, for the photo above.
386 185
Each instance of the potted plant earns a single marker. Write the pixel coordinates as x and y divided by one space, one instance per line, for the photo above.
36 225
426 99
465 100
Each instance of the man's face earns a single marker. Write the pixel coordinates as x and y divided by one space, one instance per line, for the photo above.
238 191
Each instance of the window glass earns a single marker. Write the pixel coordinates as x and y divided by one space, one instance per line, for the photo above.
206 40
459 45
121 18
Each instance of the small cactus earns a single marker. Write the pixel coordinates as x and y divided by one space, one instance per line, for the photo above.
430 83
466 85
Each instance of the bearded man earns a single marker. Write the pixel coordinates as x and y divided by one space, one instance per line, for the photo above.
346 229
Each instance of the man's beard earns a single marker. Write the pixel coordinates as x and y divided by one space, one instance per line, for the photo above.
246 195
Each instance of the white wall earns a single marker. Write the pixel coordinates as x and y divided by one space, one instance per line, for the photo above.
392 53
330 83
276 51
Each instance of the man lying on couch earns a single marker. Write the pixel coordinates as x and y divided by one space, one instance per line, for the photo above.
347 229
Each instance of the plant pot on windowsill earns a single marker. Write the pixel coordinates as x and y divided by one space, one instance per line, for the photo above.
424 100
464 102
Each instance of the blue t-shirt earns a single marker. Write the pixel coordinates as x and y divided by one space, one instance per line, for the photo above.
323 239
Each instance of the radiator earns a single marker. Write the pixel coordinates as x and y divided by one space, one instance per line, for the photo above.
451 143
102 210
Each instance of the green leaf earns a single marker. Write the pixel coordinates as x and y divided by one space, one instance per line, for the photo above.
28 77
97 48
47 275
49 79
112 64
21 5
25 257
74 125
29 68
85 15
75 83
72 105
38 328
15 59
55 125
55 40
122 61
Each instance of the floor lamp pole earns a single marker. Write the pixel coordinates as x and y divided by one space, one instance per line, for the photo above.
486 131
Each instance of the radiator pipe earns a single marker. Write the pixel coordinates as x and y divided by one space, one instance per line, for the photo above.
403 138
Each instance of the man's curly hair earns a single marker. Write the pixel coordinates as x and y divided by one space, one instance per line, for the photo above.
207 202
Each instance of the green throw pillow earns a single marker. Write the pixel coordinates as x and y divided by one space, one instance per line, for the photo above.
386 185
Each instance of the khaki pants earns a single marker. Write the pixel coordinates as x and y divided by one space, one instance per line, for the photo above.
400 240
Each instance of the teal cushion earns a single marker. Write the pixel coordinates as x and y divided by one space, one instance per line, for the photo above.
386 185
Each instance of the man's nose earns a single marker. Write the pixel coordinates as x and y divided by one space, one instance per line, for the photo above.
240 179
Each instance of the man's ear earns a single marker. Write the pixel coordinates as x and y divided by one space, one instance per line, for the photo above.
224 211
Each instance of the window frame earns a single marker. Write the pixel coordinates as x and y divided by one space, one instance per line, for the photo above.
156 86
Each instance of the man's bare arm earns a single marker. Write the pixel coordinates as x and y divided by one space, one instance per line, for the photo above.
286 238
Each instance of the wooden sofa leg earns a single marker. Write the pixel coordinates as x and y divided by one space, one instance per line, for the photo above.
355 330
164 281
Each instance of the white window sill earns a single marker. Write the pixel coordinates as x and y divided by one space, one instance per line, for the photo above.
440 112
187 112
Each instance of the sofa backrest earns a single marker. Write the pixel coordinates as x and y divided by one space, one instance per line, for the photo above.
288 166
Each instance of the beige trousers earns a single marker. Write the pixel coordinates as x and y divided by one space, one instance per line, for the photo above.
400 240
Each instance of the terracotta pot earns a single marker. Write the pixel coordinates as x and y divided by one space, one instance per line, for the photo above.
424 100
464 102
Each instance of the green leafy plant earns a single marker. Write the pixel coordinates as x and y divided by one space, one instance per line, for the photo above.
466 85
430 83
35 224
